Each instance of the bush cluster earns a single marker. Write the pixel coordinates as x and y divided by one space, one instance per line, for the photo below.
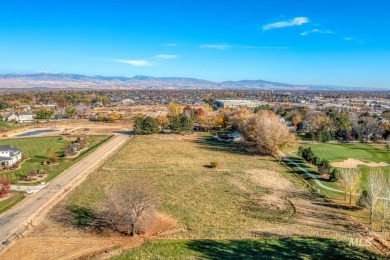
323 166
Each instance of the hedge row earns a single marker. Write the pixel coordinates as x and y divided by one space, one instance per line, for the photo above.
323 166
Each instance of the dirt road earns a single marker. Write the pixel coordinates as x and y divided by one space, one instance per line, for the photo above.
34 207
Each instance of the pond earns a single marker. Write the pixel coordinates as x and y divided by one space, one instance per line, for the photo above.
37 132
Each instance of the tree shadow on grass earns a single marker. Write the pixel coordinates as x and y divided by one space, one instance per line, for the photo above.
79 217
209 143
338 206
280 248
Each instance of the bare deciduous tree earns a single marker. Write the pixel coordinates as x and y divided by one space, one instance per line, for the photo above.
129 208
264 132
384 205
373 192
350 179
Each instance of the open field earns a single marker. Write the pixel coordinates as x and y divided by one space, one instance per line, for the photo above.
36 150
247 196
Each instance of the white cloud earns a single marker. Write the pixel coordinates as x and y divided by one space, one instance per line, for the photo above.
297 21
136 63
316 31
170 44
215 46
166 56
228 46
348 38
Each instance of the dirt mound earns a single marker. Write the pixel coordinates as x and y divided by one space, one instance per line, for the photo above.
161 224
277 186
353 163
271 180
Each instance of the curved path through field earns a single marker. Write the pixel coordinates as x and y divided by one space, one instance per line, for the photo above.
34 207
315 179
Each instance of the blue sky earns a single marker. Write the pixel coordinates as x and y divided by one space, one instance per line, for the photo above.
338 42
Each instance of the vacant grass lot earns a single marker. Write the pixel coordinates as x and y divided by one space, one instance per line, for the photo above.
206 202
216 211
36 150
273 248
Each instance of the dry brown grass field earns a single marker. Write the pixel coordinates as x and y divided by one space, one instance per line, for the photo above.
247 196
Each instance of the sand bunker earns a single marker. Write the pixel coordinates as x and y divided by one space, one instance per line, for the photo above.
353 163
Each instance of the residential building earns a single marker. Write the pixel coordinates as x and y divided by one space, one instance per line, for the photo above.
235 103
23 117
9 155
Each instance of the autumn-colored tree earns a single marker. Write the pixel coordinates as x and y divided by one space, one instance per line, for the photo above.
238 116
218 120
187 111
350 179
174 109
265 133
373 191
51 156
318 122
296 119
112 117
207 122
163 121
200 112
4 187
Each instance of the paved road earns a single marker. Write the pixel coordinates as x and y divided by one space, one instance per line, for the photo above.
34 206
32 189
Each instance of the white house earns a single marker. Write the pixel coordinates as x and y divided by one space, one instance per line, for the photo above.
23 117
9 155
11 116
236 103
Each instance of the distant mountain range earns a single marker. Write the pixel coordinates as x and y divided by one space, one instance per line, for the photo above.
76 81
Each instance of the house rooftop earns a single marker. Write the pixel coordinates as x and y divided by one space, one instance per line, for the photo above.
5 147
8 148
25 114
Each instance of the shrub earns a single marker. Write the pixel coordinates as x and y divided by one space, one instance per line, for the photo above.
323 166
214 164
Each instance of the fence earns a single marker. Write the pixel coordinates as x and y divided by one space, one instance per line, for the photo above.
15 236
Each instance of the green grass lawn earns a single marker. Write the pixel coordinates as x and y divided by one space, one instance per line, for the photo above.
269 248
36 150
341 152
8 203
